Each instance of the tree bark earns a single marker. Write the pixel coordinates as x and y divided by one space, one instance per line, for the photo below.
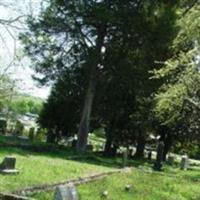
85 118
140 146
168 144
108 146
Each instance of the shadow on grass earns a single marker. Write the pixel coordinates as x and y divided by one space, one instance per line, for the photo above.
66 153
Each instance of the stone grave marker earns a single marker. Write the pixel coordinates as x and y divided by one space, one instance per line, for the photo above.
66 192
149 155
159 156
8 165
124 158
171 159
184 162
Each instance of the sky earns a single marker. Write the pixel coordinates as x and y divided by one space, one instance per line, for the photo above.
20 70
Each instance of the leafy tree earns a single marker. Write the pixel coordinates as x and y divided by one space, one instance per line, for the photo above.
95 35
63 107
128 60
63 33
177 101
22 104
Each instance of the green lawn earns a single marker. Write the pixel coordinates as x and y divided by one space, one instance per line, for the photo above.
47 168
37 168
170 185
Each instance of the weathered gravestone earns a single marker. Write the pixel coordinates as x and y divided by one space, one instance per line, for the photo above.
149 155
8 165
159 156
171 159
124 158
184 162
66 192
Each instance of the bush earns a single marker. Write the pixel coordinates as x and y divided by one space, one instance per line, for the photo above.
41 133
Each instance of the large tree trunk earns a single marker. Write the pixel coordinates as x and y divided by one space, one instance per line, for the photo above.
140 146
85 118
108 146
168 144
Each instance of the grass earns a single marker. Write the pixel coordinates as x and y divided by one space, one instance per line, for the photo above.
46 168
170 185
37 168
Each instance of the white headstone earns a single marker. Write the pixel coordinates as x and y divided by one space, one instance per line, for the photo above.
66 192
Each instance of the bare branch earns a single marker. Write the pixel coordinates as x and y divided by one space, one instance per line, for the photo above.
10 21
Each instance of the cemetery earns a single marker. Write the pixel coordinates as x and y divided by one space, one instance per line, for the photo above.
99 100
106 178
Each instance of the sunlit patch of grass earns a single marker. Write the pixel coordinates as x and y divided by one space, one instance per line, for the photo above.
144 186
45 168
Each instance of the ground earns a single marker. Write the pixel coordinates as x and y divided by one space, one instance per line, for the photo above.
38 168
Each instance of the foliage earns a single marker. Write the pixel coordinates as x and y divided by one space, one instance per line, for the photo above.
62 109
7 90
23 104
129 55
177 101
40 134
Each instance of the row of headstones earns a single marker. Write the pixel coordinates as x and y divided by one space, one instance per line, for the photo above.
184 164
8 164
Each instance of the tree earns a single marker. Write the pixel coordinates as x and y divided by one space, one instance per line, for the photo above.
63 107
60 36
85 33
130 56
177 100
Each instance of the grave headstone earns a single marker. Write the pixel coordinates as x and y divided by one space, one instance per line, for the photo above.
124 158
184 162
66 192
8 165
159 156
149 155
171 159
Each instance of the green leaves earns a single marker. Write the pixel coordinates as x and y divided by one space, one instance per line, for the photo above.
175 99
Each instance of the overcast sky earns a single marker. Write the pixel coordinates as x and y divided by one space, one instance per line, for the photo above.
9 43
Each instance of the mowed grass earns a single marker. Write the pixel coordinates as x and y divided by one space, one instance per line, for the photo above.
171 185
47 168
